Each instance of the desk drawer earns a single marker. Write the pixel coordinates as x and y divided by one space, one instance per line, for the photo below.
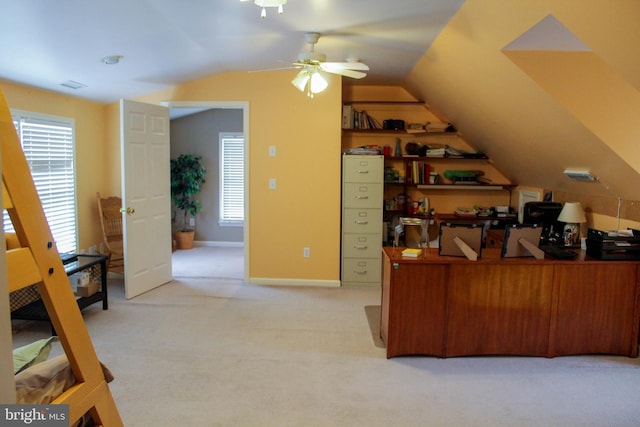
361 270
362 221
361 245
362 195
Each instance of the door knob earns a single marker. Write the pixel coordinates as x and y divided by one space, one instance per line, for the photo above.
128 211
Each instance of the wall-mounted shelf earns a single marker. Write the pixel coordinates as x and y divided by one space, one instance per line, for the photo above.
475 187
389 103
364 132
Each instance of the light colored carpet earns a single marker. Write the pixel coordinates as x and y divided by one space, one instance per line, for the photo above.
208 261
216 352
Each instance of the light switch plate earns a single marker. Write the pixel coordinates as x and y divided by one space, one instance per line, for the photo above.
272 151
272 183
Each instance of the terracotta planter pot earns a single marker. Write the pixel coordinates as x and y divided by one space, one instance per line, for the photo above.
184 239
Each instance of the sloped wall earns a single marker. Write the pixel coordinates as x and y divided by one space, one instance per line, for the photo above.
501 110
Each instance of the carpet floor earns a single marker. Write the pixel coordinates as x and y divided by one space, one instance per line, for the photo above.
206 351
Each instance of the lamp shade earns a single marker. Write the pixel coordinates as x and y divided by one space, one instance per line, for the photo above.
300 80
572 213
318 83
310 80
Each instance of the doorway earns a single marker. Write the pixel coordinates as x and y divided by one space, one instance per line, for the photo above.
178 109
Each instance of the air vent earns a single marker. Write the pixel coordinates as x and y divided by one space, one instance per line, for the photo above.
72 85
579 174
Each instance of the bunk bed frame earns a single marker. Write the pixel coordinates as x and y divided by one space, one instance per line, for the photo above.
37 261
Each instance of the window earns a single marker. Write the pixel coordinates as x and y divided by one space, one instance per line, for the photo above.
231 179
48 145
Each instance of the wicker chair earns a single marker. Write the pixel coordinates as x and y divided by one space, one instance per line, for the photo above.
111 220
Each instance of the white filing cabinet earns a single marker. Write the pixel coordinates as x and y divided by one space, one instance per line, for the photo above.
362 201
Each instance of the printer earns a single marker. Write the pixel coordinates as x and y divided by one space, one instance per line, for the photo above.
546 215
614 245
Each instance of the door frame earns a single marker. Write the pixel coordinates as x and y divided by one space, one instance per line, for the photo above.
244 106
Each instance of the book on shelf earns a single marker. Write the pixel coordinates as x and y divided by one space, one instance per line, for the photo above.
417 172
358 120
412 252
347 117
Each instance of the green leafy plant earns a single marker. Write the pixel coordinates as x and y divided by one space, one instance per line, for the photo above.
187 176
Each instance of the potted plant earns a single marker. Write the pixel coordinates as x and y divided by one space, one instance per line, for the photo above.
187 176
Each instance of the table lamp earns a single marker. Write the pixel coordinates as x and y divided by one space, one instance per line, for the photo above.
573 215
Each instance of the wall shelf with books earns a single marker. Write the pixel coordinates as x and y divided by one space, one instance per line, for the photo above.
392 117
418 187
417 142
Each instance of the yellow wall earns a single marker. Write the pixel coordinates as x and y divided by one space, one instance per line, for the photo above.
465 74
304 210
92 172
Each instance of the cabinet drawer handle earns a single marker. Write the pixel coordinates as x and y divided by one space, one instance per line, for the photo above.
361 197
361 171
360 247
362 222
360 272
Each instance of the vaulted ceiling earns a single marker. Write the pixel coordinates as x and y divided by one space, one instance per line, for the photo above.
167 42
542 86
539 85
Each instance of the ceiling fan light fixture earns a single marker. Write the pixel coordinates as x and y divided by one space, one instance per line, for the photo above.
264 4
318 83
310 81
300 80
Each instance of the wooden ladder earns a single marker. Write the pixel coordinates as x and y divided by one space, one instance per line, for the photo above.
38 261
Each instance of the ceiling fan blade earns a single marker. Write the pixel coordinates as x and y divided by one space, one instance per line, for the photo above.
264 70
345 66
286 65
347 73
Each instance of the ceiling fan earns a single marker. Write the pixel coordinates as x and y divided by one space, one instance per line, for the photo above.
313 64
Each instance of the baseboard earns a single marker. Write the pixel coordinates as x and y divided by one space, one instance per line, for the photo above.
293 282
218 244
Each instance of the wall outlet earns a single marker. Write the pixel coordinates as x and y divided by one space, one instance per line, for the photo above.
272 183
306 252
192 222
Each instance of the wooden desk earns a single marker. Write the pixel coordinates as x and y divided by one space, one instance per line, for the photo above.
449 306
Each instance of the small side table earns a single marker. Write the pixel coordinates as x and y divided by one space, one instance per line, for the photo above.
74 264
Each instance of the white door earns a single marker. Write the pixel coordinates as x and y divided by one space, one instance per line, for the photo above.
146 196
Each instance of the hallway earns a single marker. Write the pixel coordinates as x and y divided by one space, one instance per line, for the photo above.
210 262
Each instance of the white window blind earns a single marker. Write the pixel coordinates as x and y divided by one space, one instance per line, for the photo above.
231 179
48 145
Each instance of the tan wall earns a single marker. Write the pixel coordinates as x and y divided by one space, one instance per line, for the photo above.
304 210
91 151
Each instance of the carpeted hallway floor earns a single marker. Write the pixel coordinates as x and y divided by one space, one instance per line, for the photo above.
216 352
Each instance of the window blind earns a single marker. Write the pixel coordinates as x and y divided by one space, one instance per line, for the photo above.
231 179
48 145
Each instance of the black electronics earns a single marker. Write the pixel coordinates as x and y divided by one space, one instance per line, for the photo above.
393 124
546 215
559 252
615 245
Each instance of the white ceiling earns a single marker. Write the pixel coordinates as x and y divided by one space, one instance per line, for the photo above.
44 43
